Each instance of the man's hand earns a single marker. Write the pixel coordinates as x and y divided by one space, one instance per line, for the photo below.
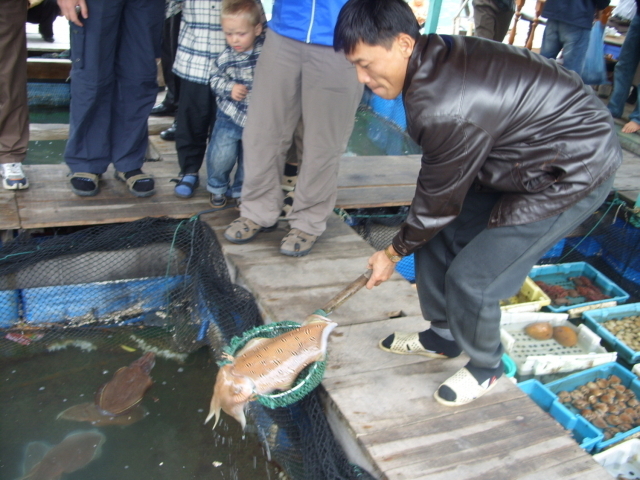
239 92
382 268
68 10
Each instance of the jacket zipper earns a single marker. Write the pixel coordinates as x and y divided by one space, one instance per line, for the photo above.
313 14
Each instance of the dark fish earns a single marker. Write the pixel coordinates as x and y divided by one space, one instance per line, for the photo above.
127 387
89 412
73 453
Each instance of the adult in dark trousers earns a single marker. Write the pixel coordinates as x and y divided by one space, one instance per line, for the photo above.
516 153
492 18
200 42
114 45
623 74
44 13
568 29
170 32
14 110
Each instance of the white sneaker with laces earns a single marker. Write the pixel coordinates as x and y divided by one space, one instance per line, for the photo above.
13 178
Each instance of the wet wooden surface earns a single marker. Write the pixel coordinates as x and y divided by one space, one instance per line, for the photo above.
380 405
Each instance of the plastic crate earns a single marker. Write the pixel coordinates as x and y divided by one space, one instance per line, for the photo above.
9 308
126 299
407 268
623 460
541 357
582 431
555 251
595 318
561 273
530 298
575 380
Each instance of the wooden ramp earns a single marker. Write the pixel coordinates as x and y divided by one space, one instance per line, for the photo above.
381 405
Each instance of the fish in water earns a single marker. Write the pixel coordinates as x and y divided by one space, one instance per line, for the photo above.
267 364
73 453
127 387
89 412
116 402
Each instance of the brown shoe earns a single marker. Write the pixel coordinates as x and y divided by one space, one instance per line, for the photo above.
243 230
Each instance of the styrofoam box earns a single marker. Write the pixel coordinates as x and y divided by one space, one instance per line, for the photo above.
622 460
540 357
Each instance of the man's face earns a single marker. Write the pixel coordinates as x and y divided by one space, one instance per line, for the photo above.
383 69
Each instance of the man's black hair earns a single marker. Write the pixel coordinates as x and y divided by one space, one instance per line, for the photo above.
373 22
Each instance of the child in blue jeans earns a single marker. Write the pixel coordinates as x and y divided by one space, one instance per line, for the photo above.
231 82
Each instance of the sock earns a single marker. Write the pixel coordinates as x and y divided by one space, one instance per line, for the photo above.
144 185
83 184
185 190
442 332
432 342
290 170
484 376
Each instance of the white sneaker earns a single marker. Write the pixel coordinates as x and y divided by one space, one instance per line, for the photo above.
13 178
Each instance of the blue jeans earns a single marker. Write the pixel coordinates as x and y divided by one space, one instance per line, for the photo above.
625 71
225 147
572 40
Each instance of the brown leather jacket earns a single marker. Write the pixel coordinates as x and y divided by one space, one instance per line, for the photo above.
492 116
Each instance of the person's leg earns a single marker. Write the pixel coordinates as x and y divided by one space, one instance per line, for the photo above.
195 117
136 83
625 69
222 154
274 111
44 14
331 94
93 49
503 20
551 44
14 113
170 30
489 268
484 18
575 41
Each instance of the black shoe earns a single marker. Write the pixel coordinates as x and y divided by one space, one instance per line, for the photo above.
162 110
169 134
217 201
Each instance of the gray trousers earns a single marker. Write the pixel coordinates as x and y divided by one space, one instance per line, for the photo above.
294 79
466 269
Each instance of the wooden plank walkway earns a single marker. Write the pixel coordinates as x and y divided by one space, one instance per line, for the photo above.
381 405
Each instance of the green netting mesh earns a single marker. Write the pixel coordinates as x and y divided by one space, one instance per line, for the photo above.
160 285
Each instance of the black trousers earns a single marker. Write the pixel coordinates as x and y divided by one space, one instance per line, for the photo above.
170 33
466 269
44 14
194 121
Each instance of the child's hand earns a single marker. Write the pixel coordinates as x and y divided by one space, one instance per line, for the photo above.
239 92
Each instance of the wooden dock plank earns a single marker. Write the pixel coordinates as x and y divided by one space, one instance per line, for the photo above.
9 218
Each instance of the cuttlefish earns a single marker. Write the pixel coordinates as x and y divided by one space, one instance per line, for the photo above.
74 452
116 402
264 365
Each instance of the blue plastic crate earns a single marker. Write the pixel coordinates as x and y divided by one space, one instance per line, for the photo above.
9 308
576 380
97 300
595 318
587 436
407 268
556 250
561 273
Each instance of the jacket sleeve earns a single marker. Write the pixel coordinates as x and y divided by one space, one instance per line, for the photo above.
221 82
453 153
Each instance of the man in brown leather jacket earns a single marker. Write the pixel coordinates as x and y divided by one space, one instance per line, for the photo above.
517 152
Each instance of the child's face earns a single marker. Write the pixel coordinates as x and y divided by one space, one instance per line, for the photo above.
239 32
